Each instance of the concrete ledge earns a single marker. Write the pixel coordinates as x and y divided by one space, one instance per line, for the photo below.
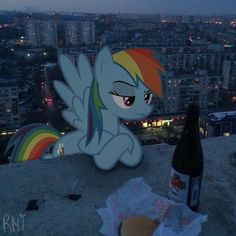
50 182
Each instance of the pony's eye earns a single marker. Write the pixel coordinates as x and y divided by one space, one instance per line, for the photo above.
124 102
128 101
148 98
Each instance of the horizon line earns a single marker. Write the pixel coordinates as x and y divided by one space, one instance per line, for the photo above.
118 13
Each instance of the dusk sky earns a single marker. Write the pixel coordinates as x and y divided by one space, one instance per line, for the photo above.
125 6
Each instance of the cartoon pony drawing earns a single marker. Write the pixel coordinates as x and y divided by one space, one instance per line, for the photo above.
120 86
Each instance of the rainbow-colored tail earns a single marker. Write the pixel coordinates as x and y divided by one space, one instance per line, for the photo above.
30 142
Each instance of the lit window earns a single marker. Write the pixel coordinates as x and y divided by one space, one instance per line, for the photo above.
145 124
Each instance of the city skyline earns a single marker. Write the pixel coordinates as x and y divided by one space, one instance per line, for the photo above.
125 6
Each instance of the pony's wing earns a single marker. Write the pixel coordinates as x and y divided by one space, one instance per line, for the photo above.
76 92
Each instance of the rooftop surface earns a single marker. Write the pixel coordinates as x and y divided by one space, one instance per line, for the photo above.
224 115
49 183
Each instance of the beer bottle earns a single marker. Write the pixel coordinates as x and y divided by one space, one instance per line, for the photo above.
187 163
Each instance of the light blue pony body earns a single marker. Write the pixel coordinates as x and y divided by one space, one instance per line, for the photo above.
96 100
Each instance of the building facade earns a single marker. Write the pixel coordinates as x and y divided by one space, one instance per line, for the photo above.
181 90
79 32
218 124
87 32
9 106
229 74
71 33
193 59
41 33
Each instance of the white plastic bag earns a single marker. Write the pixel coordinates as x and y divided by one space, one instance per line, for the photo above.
136 198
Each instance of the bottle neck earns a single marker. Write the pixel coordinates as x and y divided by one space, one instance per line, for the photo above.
192 120
191 127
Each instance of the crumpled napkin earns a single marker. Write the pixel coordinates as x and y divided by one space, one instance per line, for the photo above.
136 198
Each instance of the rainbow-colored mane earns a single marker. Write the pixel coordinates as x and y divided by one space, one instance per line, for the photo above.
142 65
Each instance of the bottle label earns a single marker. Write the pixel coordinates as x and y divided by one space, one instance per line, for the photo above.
178 187
195 189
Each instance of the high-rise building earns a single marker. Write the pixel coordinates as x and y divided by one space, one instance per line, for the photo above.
229 74
9 106
181 90
41 33
87 32
71 33
82 32
49 33
191 59
32 32
213 91
201 73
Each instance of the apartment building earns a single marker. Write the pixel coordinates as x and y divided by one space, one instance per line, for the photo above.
9 106
229 74
181 90
41 33
79 32
191 59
